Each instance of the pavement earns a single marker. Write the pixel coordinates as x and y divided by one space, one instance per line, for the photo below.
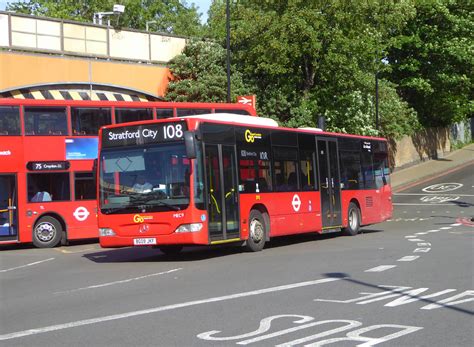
405 178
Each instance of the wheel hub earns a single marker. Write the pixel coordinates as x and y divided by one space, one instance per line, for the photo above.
256 230
45 232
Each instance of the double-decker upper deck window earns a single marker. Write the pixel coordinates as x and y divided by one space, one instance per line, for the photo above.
234 111
45 121
123 115
164 113
9 120
87 121
183 112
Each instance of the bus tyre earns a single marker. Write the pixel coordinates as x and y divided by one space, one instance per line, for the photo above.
47 232
257 231
353 220
171 250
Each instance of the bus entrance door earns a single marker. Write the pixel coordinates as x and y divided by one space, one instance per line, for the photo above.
329 182
8 211
222 187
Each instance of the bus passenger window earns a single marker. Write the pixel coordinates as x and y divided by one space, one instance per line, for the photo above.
164 113
183 112
123 115
9 120
84 186
44 187
87 121
45 121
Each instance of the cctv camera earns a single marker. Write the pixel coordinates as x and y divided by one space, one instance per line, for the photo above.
119 9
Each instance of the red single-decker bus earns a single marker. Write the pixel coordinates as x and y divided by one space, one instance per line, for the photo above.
202 181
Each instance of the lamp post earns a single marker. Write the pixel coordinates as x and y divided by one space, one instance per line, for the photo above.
228 48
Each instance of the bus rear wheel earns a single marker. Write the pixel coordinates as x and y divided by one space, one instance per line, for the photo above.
47 232
257 231
353 220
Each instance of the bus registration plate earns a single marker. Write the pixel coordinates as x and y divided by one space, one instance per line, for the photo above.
144 241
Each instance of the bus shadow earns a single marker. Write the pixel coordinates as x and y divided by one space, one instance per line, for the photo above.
404 293
197 253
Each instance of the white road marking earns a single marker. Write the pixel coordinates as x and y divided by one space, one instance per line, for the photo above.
446 228
416 240
30 264
422 250
423 244
96 320
421 233
119 282
381 268
409 258
456 224
410 237
433 231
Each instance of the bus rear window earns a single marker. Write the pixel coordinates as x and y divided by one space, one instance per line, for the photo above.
45 121
9 120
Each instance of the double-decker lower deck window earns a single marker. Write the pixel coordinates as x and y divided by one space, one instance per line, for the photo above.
84 186
44 187
9 120
45 121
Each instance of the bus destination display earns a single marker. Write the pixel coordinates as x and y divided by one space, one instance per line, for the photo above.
143 134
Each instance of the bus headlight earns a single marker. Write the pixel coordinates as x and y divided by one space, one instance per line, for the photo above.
106 232
189 228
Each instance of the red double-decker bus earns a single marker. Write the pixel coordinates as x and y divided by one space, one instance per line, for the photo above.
202 181
47 150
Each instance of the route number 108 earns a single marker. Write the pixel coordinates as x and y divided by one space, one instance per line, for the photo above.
172 131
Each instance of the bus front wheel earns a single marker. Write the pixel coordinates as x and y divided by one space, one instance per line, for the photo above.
257 231
353 220
47 232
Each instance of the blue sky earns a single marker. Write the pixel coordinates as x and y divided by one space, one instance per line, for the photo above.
202 5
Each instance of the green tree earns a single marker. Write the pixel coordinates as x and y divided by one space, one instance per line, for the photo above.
171 16
312 58
432 61
199 74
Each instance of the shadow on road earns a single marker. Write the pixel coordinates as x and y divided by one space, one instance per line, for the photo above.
196 253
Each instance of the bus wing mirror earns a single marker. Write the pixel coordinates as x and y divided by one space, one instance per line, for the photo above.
190 143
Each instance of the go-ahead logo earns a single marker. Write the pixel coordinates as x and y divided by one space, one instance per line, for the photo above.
140 219
250 136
